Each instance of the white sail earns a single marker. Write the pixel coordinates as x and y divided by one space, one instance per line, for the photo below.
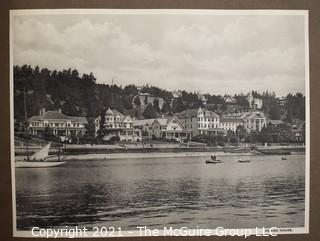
41 155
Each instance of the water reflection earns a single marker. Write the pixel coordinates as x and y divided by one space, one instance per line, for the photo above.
163 191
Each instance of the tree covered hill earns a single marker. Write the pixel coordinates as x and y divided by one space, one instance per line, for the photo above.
66 90
79 95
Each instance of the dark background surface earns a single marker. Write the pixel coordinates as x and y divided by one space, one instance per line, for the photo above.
314 45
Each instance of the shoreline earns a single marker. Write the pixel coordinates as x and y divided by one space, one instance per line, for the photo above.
111 156
91 153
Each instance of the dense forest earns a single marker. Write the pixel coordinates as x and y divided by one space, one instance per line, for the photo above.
79 95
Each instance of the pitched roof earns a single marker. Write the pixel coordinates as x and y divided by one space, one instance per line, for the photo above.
230 119
194 112
162 121
189 112
211 113
115 112
78 119
56 115
177 118
143 122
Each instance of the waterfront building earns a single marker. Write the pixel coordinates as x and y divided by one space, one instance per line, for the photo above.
57 123
170 128
253 120
117 124
197 121
145 126
231 123
298 131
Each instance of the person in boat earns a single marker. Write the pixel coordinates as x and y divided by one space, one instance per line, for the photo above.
213 157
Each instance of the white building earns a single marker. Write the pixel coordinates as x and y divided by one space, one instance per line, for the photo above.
58 123
117 124
255 103
253 120
146 98
197 121
170 128
229 123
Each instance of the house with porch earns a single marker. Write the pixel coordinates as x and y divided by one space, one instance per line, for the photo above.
57 123
231 123
170 128
115 124
253 120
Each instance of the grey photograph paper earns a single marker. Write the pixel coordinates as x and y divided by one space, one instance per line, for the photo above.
159 122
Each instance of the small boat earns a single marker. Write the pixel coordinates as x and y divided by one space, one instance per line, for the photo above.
283 158
40 159
213 161
244 161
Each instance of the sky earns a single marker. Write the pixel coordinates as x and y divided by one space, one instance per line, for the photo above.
206 53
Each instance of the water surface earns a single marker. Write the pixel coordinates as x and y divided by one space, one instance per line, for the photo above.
158 192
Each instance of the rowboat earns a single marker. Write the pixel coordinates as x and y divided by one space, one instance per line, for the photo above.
244 161
213 161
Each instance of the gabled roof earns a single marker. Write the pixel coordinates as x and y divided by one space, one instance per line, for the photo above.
115 112
162 121
175 117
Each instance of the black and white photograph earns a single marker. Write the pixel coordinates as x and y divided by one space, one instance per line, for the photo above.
163 122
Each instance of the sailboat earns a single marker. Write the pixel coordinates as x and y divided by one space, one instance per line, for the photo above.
41 158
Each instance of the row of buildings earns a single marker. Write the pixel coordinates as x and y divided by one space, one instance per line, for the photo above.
181 126
254 103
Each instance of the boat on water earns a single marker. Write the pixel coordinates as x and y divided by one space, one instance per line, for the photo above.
213 161
244 161
39 159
